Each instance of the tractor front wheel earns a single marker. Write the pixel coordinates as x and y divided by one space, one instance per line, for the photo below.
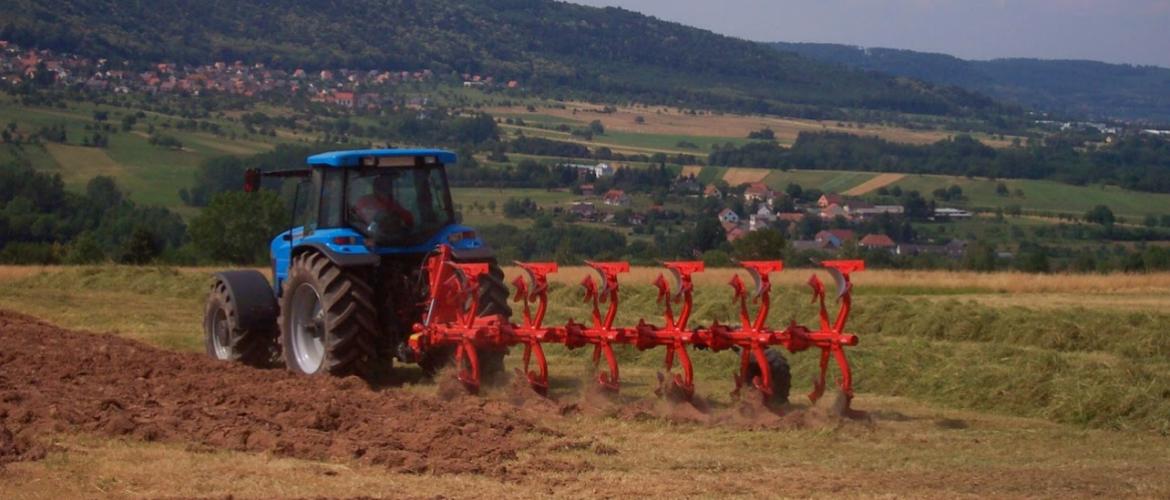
327 318
227 336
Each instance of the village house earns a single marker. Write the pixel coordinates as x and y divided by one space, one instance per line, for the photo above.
952 213
758 191
728 215
877 242
584 210
343 99
712 192
587 190
763 218
874 211
599 170
828 199
834 238
791 217
687 185
833 211
616 197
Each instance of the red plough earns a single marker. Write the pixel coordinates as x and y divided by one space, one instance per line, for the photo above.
451 320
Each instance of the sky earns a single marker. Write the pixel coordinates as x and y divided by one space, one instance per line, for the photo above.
1118 31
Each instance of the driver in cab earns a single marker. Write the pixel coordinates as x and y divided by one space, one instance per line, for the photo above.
379 207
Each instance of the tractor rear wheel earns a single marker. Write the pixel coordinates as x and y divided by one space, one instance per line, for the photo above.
328 321
224 337
493 301
780 372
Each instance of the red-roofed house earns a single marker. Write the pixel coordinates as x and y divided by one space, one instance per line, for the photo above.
832 211
877 242
830 199
616 197
712 192
343 99
791 216
759 191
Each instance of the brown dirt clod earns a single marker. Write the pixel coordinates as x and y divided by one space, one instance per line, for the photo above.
53 380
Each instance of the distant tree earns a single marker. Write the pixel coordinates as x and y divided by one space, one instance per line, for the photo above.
708 234
1100 214
716 258
236 226
980 257
104 192
596 127
1035 260
1001 189
764 244
794 191
765 133
142 247
84 249
640 120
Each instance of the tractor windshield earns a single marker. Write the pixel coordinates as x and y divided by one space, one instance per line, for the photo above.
398 205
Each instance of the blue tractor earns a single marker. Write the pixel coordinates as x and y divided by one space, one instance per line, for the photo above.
348 278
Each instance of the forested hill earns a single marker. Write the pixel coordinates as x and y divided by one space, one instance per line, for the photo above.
1085 88
542 43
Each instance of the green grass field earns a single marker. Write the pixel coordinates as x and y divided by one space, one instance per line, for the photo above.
152 175
825 180
1045 196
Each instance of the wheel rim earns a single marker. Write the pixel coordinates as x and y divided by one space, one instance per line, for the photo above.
308 329
221 335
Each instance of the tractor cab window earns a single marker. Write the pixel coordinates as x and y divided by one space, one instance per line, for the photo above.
398 205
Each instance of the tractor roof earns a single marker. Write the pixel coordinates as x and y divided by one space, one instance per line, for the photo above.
353 158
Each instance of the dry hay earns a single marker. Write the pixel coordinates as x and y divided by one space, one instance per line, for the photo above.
78 160
874 184
738 176
672 121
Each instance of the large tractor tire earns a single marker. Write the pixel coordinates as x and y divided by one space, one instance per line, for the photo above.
239 320
493 301
328 321
780 372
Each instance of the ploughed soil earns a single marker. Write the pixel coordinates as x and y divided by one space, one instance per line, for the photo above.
54 381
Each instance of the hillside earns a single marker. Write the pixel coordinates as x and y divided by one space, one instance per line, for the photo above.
545 45
1080 88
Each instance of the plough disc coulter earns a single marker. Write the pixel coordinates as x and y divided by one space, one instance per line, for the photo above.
452 320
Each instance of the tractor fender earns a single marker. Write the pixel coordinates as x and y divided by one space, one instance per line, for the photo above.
255 303
339 258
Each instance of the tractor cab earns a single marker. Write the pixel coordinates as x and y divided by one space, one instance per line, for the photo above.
360 207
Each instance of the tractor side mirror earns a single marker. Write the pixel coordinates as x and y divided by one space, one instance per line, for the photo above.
251 180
